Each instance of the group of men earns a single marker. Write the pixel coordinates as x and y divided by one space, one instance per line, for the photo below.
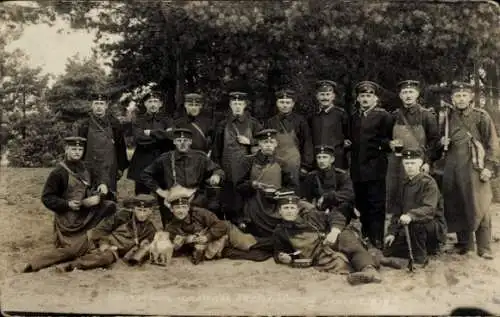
309 191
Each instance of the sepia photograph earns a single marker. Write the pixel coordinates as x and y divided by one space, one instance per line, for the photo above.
305 158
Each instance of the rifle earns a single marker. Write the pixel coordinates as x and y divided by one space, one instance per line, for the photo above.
446 107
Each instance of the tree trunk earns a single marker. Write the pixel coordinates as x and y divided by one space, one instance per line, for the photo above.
180 71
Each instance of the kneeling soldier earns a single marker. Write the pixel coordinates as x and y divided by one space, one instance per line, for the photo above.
125 235
321 240
419 208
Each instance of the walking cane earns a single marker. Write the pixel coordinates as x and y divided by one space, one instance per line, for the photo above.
410 250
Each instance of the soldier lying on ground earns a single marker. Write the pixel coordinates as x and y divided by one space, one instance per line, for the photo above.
314 238
68 193
420 209
125 235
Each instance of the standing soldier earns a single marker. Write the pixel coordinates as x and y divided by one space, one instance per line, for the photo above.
200 125
294 138
68 192
371 133
330 125
415 128
152 139
181 167
106 150
471 159
234 139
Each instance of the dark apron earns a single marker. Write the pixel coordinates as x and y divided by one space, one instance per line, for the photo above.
101 153
288 152
413 137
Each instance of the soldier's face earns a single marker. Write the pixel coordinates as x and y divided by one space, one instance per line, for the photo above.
180 211
183 144
152 105
142 213
412 166
268 146
324 161
409 96
99 107
193 108
238 106
285 105
367 100
289 212
74 152
325 98
462 99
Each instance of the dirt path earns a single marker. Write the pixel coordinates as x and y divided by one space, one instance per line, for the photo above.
219 287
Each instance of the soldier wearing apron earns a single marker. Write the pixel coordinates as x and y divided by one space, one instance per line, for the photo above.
67 192
263 176
471 160
294 138
106 151
193 120
330 125
235 139
151 138
415 128
371 133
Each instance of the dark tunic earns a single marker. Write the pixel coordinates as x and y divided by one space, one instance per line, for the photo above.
371 132
191 170
202 129
303 141
106 150
334 185
149 148
331 127
467 199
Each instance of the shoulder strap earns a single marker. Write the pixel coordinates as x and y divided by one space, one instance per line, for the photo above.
172 166
75 175
197 127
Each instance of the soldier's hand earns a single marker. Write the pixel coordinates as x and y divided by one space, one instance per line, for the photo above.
179 240
389 239
320 201
104 247
147 132
405 219
103 189
425 168
485 175
190 238
445 141
347 143
200 239
74 205
243 140
119 174
332 236
303 171
214 180
284 258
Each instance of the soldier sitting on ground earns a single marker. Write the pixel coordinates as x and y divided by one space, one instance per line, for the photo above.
126 235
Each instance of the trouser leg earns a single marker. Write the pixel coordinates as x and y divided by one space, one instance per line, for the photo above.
360 203
94 260
375 209
483 235
59 255
350 244
465 240
418 239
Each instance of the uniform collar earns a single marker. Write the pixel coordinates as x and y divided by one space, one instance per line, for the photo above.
414 179
179 156
328 172
411 109
239 119
466 112
327 110
264 159
367 111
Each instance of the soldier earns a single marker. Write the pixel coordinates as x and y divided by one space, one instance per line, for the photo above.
415 127
68 192
263 176
234 138
471 160
324 240
119 236
330 125
182 167
294 138
327 187
371 132
200 125
419 207
106 150
151 137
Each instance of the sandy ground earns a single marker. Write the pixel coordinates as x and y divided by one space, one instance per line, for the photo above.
221 287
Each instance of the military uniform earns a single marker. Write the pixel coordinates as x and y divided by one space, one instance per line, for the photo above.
421 200
70 180
467 198
371 132
330 126
294 138
189 169
417 128
148 147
